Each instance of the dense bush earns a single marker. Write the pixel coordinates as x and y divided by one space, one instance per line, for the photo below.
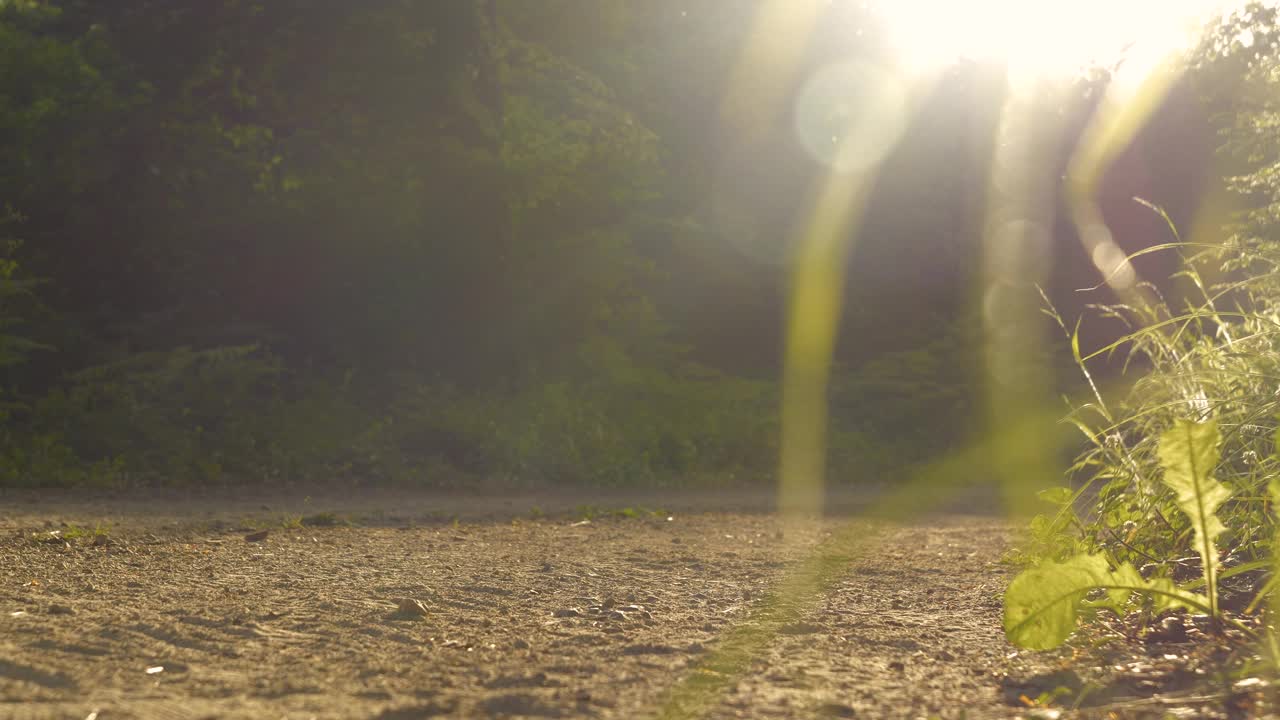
235 414
904 409
470 246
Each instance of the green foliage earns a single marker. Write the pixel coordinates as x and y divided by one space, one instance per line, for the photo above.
50 85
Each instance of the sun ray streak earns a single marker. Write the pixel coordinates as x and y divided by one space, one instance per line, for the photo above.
1016 251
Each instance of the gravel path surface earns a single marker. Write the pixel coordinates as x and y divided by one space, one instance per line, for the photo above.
408 607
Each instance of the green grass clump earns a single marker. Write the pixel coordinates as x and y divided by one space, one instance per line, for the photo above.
77 532
592 512
322 519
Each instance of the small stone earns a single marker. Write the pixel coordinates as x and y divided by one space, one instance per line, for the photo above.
409 609
52 537
1172 629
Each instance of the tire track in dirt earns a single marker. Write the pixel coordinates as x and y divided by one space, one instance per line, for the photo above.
912 630
875 621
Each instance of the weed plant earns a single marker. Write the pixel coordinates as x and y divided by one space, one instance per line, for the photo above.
1170 503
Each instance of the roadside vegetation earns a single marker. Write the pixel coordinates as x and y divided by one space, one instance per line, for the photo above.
1166 533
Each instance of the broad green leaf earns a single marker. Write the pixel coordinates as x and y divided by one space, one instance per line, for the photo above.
1042 604
1057 495
1188 454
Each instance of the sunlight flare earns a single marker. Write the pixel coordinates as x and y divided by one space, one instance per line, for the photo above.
1038 38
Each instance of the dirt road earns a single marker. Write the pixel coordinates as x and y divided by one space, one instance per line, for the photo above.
408 607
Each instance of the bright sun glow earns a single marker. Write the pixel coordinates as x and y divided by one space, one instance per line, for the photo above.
1039 37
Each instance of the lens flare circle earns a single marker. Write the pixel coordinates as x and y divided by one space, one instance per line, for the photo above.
849 115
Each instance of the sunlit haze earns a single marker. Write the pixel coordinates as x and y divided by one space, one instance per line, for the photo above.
663 359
